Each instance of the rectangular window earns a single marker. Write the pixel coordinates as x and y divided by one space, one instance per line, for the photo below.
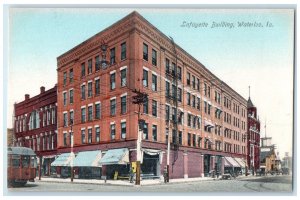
123 105
205 89
82 69
90 113
205 107
188 78
167 112
167 89
82 115
113 107
179 73
83 92
194 101
154 108
83 136
123 77
71 76
97 129
189 120
123 51
193 82
180 137
188 99
154 132
97 87
71 96
123 130
145 52
167 65
154 57
199 142
145 131
179 94
198 84
145 78
97 111
112 56
65 78
208 110
90 89
113 81
189 139
65 139
90 67
173 91
65 119
113 131
154 82
97 63
198 103
194 140
65 98
71 117
173 114
89 135
208 91
145 107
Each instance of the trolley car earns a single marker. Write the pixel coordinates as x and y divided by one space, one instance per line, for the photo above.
21 166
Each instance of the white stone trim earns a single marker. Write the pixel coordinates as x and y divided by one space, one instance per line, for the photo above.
96 126
145 68
97 102
97 78
69 91
112 72
82 128
72 110
82 84
124 94
89 127
154 73
65 112
123 120
83 106
124 67
112 122
113 98
89 81
90 104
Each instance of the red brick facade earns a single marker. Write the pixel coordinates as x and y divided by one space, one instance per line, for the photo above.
216 126
253 127
35 124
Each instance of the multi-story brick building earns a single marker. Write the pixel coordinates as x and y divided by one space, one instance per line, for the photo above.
96 80
35 126
253 139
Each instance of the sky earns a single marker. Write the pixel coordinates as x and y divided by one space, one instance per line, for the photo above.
260 57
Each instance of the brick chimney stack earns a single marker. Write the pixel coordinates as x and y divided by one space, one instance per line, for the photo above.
42 89
27 97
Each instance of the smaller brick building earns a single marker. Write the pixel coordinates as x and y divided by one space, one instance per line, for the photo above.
35 126
253 139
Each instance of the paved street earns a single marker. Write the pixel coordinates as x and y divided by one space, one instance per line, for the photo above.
255 184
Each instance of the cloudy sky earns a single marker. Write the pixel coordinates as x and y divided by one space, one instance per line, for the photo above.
260 56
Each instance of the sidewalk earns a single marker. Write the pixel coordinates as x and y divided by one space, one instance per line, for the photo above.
127 183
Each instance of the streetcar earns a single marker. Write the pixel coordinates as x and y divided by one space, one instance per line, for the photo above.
21 166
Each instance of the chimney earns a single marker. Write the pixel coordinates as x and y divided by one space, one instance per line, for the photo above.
27 97
42 89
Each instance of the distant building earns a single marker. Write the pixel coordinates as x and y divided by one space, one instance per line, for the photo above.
268 156
35 126
287 163
10 137
253 139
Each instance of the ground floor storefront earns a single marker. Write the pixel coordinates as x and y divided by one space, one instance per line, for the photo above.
118 162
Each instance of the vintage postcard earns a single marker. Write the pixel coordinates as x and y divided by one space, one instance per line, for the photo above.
169 99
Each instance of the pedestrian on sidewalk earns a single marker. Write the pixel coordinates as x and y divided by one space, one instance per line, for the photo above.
165 175
131 175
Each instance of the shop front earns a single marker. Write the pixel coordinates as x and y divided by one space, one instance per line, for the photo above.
115 164
207 163
231 166
63 164
150 164
87 165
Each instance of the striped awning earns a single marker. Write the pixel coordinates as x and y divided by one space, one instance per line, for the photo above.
240 162
232 162
88 159
64 160
115 157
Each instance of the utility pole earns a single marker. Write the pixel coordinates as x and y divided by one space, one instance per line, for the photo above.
72 153
139 99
